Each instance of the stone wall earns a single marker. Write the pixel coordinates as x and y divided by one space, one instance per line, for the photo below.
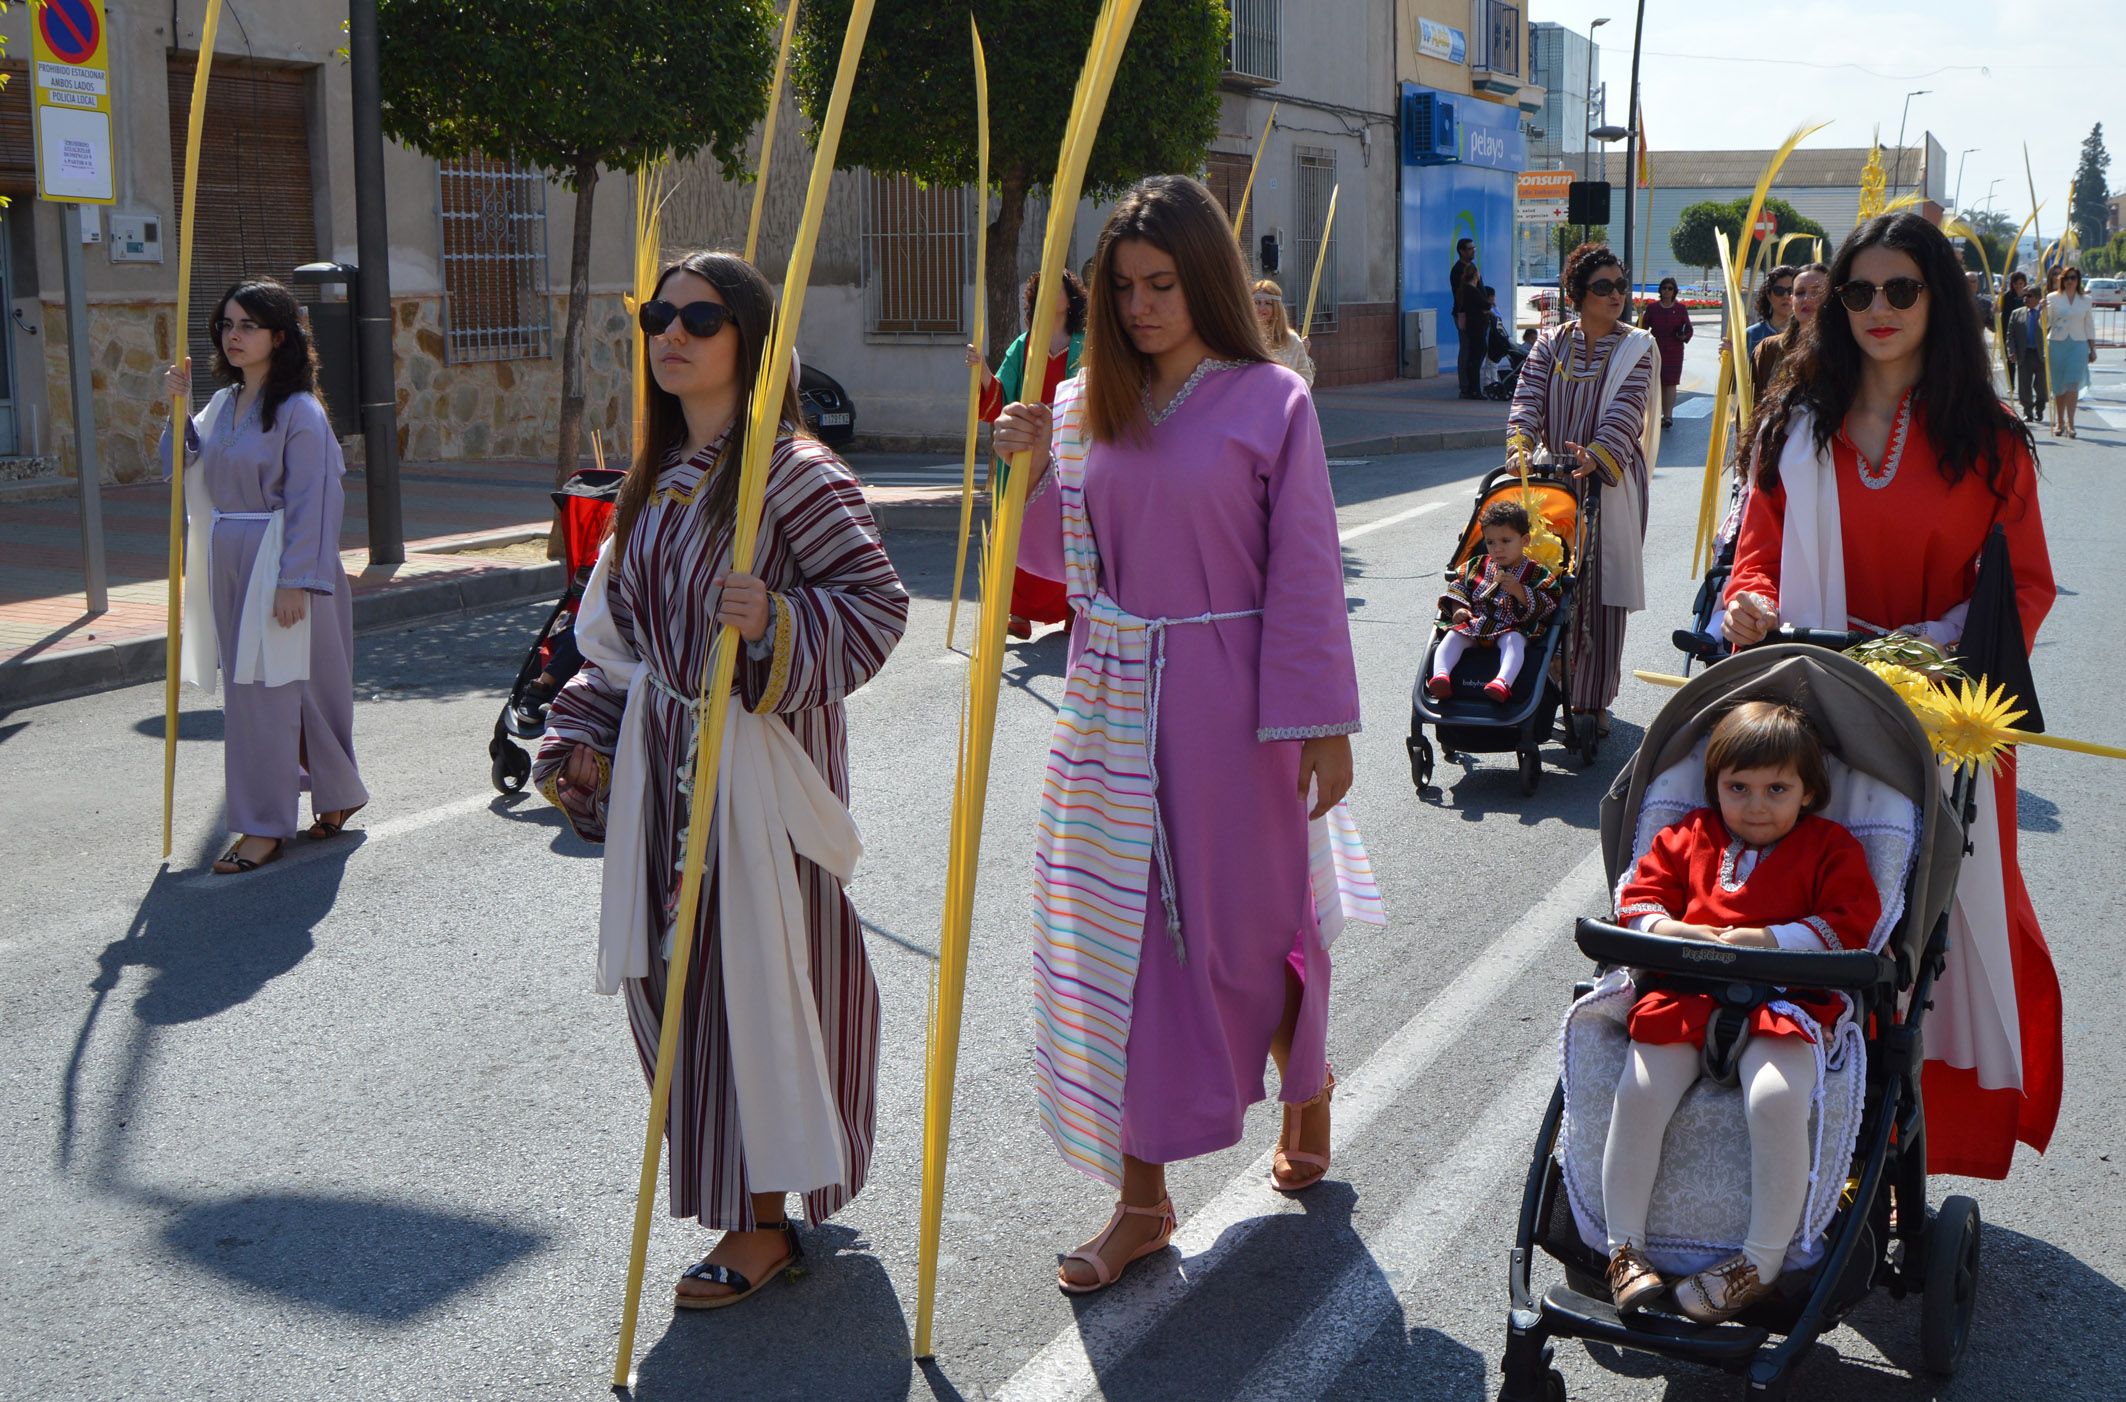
447 412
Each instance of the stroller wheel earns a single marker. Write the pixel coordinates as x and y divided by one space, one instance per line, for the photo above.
510 771
1951 1285
1553 1390
1590 741
1531 770
1420 761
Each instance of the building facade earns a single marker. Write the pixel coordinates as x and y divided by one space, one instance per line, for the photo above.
1567 66
1466 98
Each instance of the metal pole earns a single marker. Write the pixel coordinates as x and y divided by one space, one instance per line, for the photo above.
1897 177
372 293
1587 122
88 468
1631 155
1959 201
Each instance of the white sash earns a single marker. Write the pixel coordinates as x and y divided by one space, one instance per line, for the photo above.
1623 543
771 802
266 650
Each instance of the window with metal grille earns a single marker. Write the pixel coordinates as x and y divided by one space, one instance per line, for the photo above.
492 227
1317 180
1254 47
1495 30
918 253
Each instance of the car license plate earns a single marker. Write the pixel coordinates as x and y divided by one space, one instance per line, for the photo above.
833 420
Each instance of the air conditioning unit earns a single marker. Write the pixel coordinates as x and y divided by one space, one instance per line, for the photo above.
1429 134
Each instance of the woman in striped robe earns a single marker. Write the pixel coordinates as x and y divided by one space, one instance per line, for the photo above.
820 611
1583 395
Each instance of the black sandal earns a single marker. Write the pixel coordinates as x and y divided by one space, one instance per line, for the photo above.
736 1281
324 827
232 864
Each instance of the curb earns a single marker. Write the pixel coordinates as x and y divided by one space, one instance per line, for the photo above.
84 671
1430 441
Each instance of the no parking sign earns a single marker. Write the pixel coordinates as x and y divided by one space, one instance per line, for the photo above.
72 102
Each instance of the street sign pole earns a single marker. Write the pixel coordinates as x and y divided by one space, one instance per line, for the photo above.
88 468
372 295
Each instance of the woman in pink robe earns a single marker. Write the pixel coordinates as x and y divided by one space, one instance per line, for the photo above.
1205 489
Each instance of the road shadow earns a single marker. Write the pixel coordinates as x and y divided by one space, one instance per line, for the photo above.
372 1259
200 723
836 1331
532 810
2035 812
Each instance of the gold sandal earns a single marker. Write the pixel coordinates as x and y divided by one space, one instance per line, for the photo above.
1288 1144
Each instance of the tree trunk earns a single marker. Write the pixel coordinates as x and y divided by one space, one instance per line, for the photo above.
1002 274
579 296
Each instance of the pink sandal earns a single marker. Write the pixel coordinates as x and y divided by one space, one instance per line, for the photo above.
1288 1145
1090 1255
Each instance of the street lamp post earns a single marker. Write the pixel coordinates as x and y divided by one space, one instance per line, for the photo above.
1631 153
1989 193
1587 117
1897 178
1959 201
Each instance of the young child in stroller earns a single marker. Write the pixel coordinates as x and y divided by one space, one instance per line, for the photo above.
1755 867
1496 599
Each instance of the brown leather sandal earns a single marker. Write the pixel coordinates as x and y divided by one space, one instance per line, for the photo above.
232 863
1288 1144
1103 1275
325 827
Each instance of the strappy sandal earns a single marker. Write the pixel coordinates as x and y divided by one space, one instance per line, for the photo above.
1090 1255
740 1287
1288 1144
325 827
232 863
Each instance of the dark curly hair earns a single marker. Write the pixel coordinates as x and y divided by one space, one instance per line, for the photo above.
1763 305
293 369
1506 513
1580 267
1073 293
1954 400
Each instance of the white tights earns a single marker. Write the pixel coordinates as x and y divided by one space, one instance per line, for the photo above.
1513 650
1778 1082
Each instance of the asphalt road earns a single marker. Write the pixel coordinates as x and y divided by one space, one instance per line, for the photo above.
355 1126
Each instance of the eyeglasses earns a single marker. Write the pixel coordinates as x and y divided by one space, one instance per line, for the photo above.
701 319
247 326
1787 290
1859 294
1608 287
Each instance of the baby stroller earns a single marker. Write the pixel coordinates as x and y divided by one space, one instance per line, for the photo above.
1865 1224
585 502
1500 374
1470 722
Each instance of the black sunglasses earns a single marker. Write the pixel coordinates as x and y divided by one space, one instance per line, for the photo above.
1785 289
701 319
1859 294
1608 287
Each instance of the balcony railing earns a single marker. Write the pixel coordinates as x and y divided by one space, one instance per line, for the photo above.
1495 36
1253 51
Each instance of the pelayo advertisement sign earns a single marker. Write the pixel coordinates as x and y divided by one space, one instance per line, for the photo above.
1487 140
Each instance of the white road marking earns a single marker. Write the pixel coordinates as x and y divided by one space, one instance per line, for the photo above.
1698 408
302 852
1119 1319
1404 1252
1386 521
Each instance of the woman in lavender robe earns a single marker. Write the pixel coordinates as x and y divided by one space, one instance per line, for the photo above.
265 466
1193 469
774 1085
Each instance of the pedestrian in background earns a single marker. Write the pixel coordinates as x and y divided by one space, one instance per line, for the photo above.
1465 283
1034 599
1177 951
1584 400
1286 346
2070 333
774 1087
1980 302
1811 282
1669 322
1774 308
266 597
2026 353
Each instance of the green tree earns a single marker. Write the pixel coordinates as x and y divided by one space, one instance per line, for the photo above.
2092 197
912 111
1566 237
1692 242
567 88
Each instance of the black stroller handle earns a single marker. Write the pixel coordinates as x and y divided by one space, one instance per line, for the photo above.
1851 969
1833 639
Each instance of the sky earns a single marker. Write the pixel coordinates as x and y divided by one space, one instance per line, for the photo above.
1742 74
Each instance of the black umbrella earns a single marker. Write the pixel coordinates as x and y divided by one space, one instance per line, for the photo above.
1993 647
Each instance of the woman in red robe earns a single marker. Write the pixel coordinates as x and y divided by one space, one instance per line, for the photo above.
1882 466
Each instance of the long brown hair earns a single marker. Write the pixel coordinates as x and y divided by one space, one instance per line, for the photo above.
293 368
752 304
1180 217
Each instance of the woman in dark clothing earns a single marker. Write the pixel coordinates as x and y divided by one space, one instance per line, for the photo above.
1669 320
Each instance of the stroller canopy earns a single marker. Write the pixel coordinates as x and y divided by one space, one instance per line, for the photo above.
1861 720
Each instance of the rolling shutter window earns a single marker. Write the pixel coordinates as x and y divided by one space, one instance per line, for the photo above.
254 208
18 157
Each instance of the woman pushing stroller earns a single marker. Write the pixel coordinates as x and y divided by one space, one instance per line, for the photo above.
1755 867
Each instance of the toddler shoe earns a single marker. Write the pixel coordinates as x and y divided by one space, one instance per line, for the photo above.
1721 1292
1633 1281
1498 691
1441 686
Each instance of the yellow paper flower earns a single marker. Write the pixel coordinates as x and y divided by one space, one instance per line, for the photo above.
1972 724
1912 687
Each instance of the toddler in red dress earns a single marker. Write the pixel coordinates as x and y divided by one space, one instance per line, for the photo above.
1493 602
1756 867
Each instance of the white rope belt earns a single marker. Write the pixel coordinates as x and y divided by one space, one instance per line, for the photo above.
220 516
